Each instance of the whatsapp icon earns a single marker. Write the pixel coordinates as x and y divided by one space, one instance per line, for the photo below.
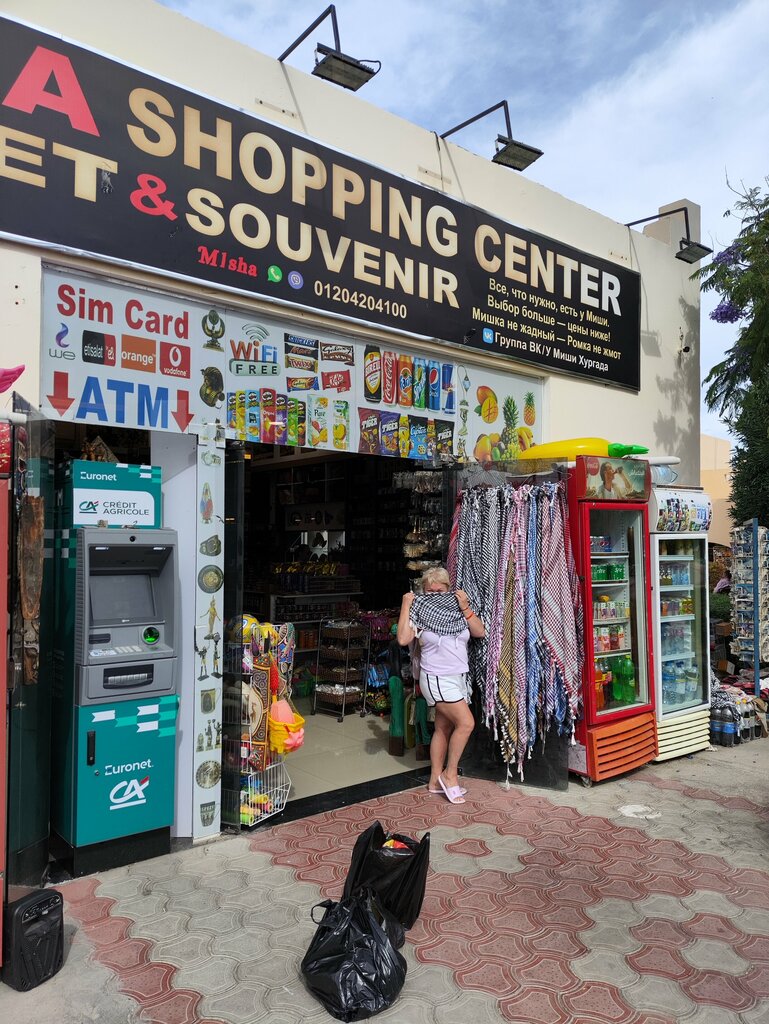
274 274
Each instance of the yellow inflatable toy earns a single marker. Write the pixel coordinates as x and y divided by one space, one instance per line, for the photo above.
568 450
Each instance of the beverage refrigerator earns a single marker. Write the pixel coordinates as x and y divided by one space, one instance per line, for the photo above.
608 512
680 519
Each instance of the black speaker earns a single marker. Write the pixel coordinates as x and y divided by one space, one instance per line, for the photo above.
33 939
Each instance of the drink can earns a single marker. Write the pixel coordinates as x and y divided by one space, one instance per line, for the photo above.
405 381
447 387
420 383
281 418
372 374
389 378
292 422
434 385
267 397
341 426
252 415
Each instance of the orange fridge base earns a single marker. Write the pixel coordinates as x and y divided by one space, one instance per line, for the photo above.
618 747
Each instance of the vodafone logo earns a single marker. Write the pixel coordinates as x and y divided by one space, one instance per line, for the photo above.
128 794
174 359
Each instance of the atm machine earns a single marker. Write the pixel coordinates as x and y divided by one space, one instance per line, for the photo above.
115 698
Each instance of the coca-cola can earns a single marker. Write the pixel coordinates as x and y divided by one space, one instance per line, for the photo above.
389 378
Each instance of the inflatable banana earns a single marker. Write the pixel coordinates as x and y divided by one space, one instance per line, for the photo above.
570 449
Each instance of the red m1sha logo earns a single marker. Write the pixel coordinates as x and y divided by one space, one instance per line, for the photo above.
174 359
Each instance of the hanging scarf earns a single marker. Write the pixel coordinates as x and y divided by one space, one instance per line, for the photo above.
439 613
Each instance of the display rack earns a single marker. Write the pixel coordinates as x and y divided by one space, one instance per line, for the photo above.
615 685
255 783
341 668
750 596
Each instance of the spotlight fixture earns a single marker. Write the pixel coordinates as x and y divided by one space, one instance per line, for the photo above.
335 66
688 251
509 153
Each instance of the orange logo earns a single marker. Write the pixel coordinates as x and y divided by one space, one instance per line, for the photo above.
138 353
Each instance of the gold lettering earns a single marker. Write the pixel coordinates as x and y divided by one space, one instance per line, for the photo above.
7 152
307 171
86 166
219 143
483 234
238 215
341 194
141 103
365 262
282 228
206 203
249 145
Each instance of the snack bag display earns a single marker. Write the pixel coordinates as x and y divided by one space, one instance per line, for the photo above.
444 437
388 433
318 421
417 437
369 431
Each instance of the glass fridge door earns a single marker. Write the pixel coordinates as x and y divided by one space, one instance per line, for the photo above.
617 572
683 622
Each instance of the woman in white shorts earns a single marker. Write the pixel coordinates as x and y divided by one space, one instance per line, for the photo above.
443 624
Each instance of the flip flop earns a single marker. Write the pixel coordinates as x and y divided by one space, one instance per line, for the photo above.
439 792
452 793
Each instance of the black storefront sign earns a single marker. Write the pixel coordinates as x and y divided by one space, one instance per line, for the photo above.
99 157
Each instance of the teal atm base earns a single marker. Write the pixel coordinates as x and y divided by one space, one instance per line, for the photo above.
121 794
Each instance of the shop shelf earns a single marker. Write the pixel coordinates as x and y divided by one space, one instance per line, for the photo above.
612 654
608 554
681 656
676 558
679 586
677 618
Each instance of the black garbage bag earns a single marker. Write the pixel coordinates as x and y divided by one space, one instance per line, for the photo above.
397 876
352 966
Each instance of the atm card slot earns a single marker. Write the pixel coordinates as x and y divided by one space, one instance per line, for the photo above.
128 679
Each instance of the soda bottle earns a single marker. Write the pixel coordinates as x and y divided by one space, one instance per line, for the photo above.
372 374
629 681
730 728
716 727
599 697
618 681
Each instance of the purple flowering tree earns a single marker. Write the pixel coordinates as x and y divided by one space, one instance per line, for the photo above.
739 274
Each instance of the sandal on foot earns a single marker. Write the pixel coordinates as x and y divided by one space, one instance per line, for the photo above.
439 792
452 793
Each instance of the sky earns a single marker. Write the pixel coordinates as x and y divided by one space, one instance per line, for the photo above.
635 103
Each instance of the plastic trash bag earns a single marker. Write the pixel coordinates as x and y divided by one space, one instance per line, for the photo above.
397 876
352 966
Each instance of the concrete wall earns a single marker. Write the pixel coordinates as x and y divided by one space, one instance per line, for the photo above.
664 415
716 475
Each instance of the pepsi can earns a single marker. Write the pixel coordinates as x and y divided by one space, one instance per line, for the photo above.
420 383
447 387
434 385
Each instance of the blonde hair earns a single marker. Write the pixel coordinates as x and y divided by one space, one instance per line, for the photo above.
437 574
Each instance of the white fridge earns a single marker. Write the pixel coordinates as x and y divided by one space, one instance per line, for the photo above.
679 519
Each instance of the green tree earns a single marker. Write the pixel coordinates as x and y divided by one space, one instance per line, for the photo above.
740 275
750 456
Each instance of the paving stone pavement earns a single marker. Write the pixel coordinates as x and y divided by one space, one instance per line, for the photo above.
644 900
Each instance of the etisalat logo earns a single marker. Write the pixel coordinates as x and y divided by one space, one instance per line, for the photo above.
128 794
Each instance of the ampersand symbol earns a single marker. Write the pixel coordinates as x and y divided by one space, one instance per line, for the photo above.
146 198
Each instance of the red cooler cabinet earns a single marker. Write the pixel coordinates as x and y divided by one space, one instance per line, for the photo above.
608 507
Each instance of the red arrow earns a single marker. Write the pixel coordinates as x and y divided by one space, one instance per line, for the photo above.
182 415
60 399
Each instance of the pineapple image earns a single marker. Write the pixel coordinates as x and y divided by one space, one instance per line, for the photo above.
529 409
509 439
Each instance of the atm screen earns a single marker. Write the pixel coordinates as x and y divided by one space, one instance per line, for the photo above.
119 599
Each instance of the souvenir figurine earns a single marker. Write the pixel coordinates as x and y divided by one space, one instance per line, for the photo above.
206 504
215 669
213 615
213 328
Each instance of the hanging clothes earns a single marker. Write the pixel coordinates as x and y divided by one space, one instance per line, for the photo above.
511 553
